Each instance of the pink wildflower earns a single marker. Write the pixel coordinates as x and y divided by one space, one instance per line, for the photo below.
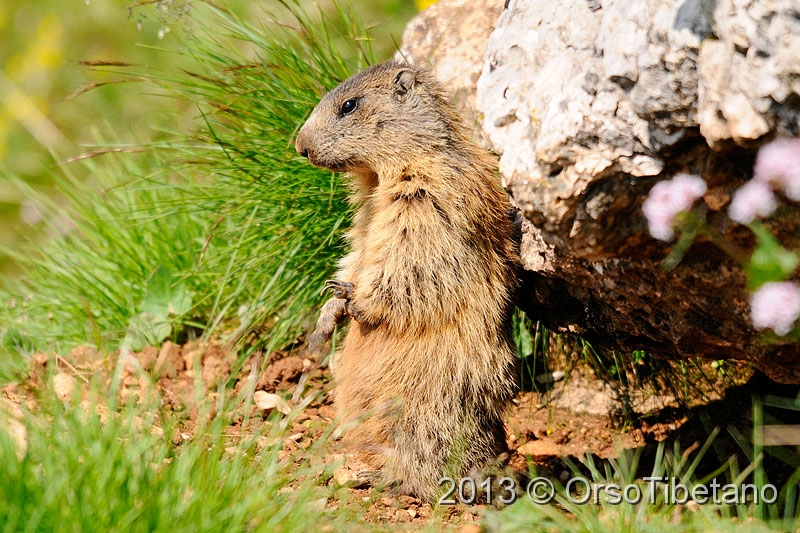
667 199
754 199
776 306
778 163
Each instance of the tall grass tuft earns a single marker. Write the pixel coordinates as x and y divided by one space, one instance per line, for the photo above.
242 229
86 271
279 220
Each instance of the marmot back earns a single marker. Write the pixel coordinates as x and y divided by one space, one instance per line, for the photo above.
427 364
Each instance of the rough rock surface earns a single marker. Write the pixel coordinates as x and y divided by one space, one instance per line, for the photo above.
589 103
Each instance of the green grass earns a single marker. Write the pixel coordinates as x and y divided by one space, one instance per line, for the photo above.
118 470
280 220
221 231
87 271
599 510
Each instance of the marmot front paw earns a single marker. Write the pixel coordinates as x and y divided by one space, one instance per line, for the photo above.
344 291
341 289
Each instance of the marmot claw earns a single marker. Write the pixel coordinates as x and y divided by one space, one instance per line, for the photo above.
341 289
371 477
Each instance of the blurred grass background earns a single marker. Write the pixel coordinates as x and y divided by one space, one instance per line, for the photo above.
47 115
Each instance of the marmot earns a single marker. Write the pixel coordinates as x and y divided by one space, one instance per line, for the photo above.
427 364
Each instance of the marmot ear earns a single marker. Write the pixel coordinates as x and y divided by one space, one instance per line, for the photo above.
404 81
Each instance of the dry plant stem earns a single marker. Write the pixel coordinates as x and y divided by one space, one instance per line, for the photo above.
71 367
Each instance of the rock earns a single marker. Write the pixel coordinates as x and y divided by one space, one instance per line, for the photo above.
86 356
283 372
318 505
327 412
19 436
578 396
216 366
64 386
550 377
268 402
748 77
151 357
169 362
538 448
347 477
189 352
588 96
88 409
347 471
11 417
589 104
140 423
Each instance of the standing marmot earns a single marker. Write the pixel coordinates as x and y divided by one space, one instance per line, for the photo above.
427 365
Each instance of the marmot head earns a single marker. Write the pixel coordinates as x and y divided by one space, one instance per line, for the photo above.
379 120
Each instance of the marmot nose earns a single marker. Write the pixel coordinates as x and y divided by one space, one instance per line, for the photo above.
300 146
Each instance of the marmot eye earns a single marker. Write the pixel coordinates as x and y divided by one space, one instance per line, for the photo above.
349 106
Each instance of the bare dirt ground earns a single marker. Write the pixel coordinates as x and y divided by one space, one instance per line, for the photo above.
578 415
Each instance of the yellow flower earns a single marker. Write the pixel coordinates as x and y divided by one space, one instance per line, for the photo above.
424 4
46 52
47 57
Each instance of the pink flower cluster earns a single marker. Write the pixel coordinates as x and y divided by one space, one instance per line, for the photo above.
777 168
667 199
776 306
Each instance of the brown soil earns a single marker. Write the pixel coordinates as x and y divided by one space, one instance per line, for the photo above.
578 415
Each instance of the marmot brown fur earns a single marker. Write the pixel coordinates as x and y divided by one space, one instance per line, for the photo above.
427 364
